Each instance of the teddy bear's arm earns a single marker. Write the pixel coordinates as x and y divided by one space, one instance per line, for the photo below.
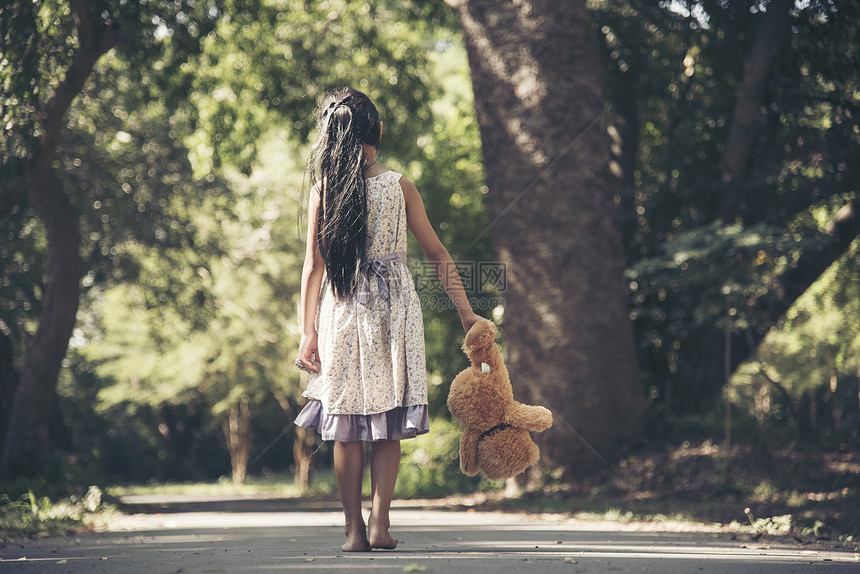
469 452
529 417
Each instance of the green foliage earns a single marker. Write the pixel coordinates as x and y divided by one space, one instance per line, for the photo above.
120 170
820 336
811 357
40 43
430 467
30 514
207 316
184 155
117 183
705 279
706 257
313 47
770 525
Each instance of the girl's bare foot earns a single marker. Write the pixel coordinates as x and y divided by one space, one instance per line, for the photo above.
356 539
378 535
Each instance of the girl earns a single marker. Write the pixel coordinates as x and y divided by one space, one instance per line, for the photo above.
362 331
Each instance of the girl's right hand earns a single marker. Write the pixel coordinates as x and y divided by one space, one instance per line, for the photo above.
309 354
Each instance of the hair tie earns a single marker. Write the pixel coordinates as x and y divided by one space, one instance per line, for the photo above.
361 132
343 102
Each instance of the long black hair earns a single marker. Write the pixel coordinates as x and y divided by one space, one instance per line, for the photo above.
346 119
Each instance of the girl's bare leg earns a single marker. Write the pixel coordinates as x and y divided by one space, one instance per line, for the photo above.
348 469
384 464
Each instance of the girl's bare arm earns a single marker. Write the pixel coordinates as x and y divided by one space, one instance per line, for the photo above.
312 273
436 253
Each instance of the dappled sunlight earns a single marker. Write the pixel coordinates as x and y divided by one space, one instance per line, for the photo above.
434 541
522 73
175 162
524 76
649 548
804 373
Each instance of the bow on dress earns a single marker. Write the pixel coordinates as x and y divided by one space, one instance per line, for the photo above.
377 266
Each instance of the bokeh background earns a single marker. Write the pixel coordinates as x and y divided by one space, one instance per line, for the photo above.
164 143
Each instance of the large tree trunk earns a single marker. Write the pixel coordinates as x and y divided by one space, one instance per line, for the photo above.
27 435
537 83
237 433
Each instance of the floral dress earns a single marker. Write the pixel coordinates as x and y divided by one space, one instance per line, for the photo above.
372 383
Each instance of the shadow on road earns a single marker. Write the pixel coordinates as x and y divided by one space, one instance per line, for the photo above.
173 504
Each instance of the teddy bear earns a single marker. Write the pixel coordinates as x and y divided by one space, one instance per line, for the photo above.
496 438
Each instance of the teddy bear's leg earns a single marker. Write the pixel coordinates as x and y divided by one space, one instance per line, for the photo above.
469 453
529 417
507 453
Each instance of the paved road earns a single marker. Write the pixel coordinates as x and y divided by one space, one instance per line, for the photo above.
244 536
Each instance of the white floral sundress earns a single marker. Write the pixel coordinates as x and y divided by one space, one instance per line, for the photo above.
372 383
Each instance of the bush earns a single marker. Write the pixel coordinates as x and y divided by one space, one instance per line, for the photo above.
30 514
430 465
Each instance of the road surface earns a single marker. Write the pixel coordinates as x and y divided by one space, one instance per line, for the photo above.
214 535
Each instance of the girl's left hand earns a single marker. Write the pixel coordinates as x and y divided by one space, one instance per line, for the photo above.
469 319
309 354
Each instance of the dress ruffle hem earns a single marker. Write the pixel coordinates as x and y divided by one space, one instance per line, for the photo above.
398 423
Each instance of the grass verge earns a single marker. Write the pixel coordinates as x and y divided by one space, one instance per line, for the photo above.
323 484
35 516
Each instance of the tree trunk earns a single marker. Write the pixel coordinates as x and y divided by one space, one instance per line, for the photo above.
303 448
751 95
8 383
237 433
28 429
303 444
537 83
836 409
813 409
27 436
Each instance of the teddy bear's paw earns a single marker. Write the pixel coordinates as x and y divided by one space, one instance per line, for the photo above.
543 419
531 417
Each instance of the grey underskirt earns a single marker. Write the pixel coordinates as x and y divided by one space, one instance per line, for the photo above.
398 423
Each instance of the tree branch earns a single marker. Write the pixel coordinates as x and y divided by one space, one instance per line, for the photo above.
751 94
838 236
94 41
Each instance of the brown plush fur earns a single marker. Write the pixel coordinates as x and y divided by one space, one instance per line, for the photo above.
481 401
